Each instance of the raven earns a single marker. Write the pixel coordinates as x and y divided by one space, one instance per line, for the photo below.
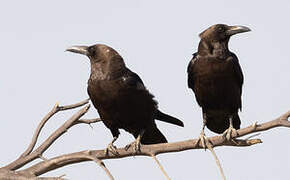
216 78
121 99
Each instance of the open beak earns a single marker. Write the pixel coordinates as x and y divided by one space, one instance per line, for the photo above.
79 49
237 29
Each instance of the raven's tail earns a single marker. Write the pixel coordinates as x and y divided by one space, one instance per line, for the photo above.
153 135
167 118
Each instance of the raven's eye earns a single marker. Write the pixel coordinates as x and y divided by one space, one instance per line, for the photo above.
221 29
92 51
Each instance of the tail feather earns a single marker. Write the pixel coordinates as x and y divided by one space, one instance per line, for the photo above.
167 118
153 135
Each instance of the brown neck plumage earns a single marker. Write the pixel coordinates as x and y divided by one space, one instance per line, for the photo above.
217 49
109 69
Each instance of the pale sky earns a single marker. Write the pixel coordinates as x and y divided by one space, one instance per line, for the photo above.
156 40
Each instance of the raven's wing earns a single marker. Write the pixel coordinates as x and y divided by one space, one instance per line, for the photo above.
238 70
190 74
134 81
238 74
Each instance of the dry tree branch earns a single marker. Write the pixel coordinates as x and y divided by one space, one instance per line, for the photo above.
29 155
101 163
206 143
38 130
161 167
8 172
216 160
87 121
54 110
155 149
37 153
12 175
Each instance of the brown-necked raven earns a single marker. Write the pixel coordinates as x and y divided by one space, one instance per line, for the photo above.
216 78
120 97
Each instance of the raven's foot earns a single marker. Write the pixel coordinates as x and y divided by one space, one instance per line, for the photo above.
229 133
111 148
136 144
203 139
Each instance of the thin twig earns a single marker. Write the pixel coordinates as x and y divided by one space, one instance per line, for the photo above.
209 146
48 142
38 130
88 121
54 110
62 129
254 135
101 163
72 106
160 166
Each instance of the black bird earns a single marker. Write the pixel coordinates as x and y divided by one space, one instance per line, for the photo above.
216 78
120 97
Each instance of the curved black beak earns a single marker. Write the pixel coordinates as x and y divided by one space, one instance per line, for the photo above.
237 29
79 49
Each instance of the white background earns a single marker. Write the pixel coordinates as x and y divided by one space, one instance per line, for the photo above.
156 39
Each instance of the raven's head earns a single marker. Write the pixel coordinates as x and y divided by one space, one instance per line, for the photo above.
102 57
96 53
214 40
221 32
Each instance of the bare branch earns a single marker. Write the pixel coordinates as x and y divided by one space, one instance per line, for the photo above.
54 110
72 106
38 129
21 161
42 157
101 163
12 175
216 160
88 121
161 167
155 149
61 130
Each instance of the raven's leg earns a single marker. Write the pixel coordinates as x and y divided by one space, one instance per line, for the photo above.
137 143
228 133
111 148
202 136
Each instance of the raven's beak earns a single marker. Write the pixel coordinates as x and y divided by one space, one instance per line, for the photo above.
237 29
79 49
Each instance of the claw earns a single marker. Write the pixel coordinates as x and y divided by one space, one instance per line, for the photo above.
255 124
136 144
229 133
203 139
111 148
